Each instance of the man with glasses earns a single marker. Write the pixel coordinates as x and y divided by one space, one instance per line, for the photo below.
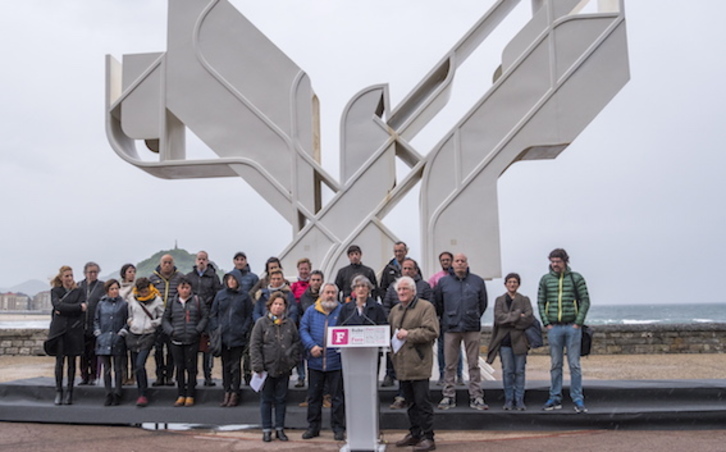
563 302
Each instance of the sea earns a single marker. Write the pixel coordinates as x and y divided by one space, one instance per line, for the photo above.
643 314
621 314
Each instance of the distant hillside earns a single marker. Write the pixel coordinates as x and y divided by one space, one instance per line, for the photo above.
30 287
183 259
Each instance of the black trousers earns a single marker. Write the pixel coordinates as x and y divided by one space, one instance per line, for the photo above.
185 360
420 410
231 368
332 380
164 361
89 360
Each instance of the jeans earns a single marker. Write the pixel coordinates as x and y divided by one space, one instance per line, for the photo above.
274 393
185 360
420 410
331 380
139 364
513 375
561 337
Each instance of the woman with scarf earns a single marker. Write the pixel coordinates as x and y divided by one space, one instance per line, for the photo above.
128 277
110 327
145 310
231 314
65 335
274 349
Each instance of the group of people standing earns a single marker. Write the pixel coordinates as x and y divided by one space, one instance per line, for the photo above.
274 327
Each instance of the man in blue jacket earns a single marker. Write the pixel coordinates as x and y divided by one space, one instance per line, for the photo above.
324 366
461 299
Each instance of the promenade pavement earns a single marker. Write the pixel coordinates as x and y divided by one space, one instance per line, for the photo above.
56 437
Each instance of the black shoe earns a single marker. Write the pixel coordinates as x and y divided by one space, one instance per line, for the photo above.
116 400
310 433
169 382
83 382
108 401
339 435
68 398
425 445
158 382
387 381
58 398
280 434
300 384
209 382
267 436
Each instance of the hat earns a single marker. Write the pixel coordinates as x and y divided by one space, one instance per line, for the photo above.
353 249
239 254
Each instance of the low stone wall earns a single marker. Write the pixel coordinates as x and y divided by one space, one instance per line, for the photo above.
24 342
647 339
608 339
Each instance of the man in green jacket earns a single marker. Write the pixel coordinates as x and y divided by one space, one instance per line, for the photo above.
563 303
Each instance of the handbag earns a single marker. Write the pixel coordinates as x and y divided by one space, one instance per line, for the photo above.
586 340
533 333
215 342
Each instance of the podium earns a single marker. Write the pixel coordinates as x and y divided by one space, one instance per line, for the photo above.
359 353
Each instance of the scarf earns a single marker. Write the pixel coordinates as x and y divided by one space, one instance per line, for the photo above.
153 293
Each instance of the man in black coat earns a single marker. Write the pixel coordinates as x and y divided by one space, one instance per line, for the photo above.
92 287
345 276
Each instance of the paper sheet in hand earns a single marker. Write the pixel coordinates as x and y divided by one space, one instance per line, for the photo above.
396 343
258 380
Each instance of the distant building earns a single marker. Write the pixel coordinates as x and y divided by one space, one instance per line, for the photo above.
41 302
14 302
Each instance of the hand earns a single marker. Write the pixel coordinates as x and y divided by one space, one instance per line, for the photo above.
576 326
549 327
84 306
402 334
316 351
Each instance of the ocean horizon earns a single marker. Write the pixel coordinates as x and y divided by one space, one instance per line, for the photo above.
617 314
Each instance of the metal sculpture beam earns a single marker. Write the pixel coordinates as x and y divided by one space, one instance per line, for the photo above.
255 108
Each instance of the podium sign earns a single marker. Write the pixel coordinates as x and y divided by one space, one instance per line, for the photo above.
359 336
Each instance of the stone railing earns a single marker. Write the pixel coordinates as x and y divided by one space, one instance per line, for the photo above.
22 341
608 339
647 339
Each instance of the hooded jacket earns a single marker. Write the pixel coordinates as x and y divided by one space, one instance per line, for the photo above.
246 279
556 298
313 330
232 312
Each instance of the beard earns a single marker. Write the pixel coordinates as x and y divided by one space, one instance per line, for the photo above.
329 305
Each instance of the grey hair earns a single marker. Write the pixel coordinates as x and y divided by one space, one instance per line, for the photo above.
329 284
360 279
405 280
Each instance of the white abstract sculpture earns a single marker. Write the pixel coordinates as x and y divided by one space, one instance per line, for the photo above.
255 108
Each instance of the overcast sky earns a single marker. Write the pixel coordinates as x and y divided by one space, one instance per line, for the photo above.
637 199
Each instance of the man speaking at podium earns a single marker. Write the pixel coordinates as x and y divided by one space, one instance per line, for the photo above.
414 327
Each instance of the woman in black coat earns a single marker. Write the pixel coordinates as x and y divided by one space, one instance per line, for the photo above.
232 314
110 327
65 336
